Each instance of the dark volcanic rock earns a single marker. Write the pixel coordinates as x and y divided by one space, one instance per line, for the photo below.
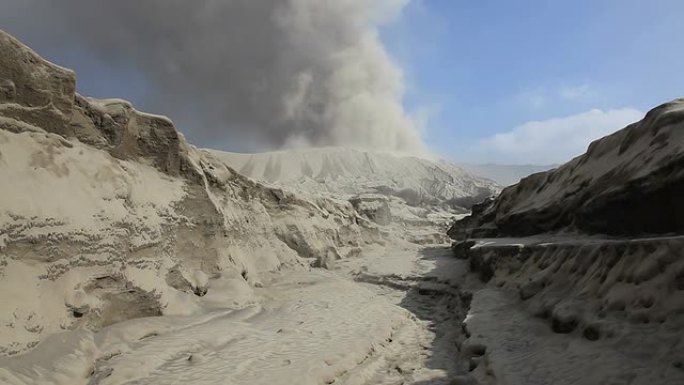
629 183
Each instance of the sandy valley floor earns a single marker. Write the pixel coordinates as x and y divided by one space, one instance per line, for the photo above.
401 315
387 317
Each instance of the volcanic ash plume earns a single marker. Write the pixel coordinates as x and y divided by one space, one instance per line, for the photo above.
263 73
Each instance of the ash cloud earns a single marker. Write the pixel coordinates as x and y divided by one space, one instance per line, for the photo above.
276 73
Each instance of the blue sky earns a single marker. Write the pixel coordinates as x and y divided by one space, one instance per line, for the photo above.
502 81
479 68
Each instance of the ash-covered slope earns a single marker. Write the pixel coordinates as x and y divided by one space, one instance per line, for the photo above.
107 214
568 304
347 171
628 183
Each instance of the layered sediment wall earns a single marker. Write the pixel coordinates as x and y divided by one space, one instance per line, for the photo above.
619 300
108 214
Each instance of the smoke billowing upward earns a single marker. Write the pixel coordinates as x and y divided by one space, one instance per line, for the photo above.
273 72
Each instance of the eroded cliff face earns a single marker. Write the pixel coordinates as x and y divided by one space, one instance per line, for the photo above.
584 265
578 311
627 184
107 214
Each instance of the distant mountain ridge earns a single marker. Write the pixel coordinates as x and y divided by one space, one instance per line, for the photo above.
349 171
504 174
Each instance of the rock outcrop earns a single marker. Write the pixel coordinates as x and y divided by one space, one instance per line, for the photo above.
374 207
42 96
626 184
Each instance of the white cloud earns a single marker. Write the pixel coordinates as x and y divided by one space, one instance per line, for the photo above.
555 140
539 97
576 92
534 98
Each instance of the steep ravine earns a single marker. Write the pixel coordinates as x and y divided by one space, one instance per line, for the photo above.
127 256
